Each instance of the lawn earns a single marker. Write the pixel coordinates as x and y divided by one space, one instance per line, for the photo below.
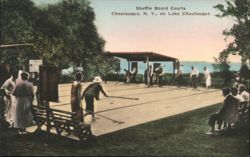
179 135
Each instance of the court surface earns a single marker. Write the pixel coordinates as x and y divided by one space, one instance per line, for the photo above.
154 103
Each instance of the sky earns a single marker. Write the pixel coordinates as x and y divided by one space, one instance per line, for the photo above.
187 37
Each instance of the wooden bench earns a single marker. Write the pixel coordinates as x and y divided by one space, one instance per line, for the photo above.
61 121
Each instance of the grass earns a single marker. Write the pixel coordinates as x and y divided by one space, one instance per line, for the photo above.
180 135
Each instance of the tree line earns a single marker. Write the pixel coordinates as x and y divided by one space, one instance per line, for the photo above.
239 12
62 34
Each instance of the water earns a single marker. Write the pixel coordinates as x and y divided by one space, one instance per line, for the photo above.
186 68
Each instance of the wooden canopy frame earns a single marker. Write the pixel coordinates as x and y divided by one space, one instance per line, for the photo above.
16 45
143 56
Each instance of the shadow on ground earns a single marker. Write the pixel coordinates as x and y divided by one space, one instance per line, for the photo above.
179 135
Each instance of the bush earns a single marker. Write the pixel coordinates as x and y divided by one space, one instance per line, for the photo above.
66 78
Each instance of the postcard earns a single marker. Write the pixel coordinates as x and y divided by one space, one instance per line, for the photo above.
124 78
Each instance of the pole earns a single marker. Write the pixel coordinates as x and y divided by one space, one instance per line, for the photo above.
148 73
48 120
174 66
121 97
128 73
128 65
114 121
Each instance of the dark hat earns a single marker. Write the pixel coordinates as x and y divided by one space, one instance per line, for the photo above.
78 76
24 76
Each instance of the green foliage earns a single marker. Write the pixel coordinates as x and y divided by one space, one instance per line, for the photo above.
239 10
103 66
16 28
63 34
222 65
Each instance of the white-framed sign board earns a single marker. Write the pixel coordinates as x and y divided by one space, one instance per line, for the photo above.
34 65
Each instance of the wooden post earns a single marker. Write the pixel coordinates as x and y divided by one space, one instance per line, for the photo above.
128 76
128 65
174 66
48 120
148 74
49 77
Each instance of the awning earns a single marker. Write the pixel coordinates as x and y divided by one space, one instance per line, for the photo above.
141 56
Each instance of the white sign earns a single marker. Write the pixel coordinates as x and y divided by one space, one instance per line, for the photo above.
34 65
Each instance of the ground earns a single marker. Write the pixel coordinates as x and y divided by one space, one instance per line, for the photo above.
154 103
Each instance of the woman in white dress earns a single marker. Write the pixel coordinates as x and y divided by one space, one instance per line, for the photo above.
207 77
24 96
10 100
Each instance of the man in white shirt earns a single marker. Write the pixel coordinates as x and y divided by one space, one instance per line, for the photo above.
178 77
193 76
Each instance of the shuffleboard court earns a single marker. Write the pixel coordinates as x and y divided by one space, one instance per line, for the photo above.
135 104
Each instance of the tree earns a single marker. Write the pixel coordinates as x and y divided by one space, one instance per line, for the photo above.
82 44
239 10
222 65
103 66
63 34
16 28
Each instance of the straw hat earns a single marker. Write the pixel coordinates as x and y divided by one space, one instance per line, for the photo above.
97 79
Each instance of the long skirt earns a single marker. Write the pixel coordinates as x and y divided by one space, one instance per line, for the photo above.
208 81
77 108
10 108
23 116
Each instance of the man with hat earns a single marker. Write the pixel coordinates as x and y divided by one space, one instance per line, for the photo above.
91 92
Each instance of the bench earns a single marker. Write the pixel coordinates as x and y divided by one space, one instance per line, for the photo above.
61 121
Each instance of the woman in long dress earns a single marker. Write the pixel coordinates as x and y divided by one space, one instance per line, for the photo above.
76 104
24 96
207 77
10 100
